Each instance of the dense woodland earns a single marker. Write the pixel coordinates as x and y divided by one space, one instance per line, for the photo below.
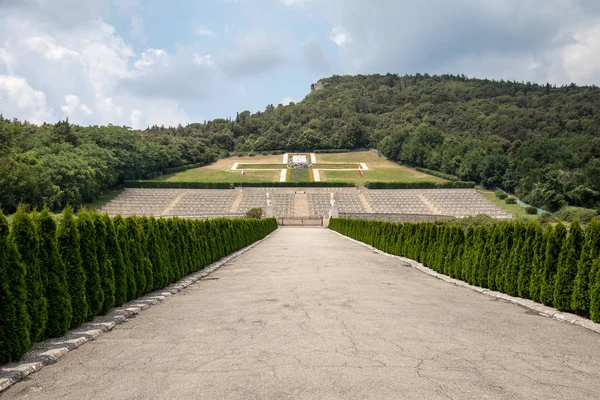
539 141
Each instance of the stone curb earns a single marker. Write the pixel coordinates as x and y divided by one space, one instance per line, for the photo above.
529 304
92 330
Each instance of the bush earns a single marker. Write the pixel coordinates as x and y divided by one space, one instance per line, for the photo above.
227 185
54 277
580 302
27 241
555 266
545 217
420 185
500 194
174 247
569 214
567 267
531 210
89 255
510 200
14 319
437 173
256 213
69 248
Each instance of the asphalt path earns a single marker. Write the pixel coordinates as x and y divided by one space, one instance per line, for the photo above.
308 314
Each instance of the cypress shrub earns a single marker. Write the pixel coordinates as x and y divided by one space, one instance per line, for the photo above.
526 260
537 264
153 251
89 254
14 336
492 253
26 239
580 302
511 273
483 235
125 245
567 267
105 269
69 249
467 256
115 256
148 268
136 256
164 254
54 276
554 244
505 253
595 294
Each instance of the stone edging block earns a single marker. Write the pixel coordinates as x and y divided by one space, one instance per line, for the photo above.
529 304
92 330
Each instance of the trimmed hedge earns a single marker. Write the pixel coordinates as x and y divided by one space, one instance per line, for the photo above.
226 185
92 263
557 267
420 185
437 173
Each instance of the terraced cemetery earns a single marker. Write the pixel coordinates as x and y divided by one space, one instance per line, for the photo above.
334 167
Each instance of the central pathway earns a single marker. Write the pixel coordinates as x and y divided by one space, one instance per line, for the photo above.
310 315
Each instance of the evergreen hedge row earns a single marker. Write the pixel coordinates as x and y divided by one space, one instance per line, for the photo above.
56 277
227 185
439 174
555 266
420 185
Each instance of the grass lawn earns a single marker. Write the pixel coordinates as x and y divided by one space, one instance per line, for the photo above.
299 175
396 174
516 210
220 171
206 174
262 166
380 169
336 166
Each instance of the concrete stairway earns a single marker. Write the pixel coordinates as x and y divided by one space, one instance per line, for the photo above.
301 205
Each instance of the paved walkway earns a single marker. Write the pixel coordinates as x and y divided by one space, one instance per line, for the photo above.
310 315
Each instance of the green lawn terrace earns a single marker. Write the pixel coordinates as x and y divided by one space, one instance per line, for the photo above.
334 167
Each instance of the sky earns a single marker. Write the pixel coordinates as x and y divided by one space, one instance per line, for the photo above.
153 62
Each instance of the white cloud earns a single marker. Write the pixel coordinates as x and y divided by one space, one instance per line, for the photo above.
18 99
73 108
294 3
340 36
47 46
81 69
151 57
582 59
7 59
204 31
205 60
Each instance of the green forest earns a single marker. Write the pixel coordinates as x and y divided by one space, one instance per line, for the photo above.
553 266
54 277
540 142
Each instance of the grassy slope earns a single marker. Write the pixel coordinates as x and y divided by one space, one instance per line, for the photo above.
220 171
380 170
516 210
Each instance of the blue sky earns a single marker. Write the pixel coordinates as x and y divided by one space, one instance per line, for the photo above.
144 62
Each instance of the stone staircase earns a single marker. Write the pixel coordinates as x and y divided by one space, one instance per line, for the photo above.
235 204
301 205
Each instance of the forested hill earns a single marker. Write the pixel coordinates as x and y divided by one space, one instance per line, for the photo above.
541 141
